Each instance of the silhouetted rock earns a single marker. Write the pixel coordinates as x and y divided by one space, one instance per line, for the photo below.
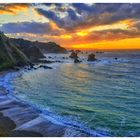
77 60
116 58
73 55
20 52
10 55
99 52
49 57
44 61
77 51
45 67
6 125
91 57
51 47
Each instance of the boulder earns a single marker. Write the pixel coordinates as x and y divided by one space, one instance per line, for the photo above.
45 67
77 60
91 57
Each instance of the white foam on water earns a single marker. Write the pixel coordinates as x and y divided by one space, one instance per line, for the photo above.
6 80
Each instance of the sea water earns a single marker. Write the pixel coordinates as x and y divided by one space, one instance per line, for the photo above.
102 96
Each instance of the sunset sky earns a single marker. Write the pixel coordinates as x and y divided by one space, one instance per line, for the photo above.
74 26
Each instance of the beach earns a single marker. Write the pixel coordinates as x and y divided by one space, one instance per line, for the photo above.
18 119
69 100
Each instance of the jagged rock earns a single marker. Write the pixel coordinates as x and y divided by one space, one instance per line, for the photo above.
6 125
73 55
45 67
51 47
44 61
91 57
49 57
29 48
77 60
99 52
20 52
10 55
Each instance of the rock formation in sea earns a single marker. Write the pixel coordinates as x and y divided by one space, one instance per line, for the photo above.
73 55
91 57
76 60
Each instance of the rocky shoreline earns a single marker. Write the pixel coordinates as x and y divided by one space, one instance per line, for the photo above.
18 119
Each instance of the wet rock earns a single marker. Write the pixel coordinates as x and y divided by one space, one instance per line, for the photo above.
15 68
77 60
49 57
91 57
58 61
31 65
45 61
6 125
45 67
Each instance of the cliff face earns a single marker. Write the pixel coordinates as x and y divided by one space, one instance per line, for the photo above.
10 55
51 47
19 52
30 49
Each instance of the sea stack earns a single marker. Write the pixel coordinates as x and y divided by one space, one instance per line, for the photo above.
73 55
91 57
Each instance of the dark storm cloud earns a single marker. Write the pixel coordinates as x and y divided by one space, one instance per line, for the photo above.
28 27
50 15
92 14
72 14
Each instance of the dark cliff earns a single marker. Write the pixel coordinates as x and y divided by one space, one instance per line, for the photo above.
20 52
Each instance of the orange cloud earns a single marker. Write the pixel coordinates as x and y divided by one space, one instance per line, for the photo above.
13 9
131 43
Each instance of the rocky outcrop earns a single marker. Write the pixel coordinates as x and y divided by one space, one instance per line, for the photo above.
91 57
73 55
20 52
10 55
29 48
77 60
51 47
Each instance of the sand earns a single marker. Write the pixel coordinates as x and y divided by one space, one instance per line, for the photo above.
21 120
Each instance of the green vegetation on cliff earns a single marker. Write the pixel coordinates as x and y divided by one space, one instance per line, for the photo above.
10 55
20 52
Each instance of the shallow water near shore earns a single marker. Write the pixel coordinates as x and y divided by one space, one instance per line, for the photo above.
102 97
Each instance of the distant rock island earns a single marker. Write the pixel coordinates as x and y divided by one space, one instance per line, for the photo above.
20 52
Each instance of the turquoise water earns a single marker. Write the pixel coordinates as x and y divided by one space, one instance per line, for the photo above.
103 96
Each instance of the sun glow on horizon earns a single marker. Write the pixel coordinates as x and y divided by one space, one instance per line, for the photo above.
72 28
112 45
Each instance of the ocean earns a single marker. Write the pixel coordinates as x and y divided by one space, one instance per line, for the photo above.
99 97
